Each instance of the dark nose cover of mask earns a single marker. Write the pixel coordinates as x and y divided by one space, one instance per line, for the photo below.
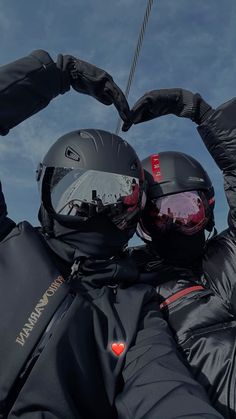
97 237
178 248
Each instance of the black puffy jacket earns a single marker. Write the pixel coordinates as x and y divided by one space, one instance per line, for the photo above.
59 339
200 303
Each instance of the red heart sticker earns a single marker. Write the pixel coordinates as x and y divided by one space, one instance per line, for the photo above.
118 348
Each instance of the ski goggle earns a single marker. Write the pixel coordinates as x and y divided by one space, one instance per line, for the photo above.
85 193
186 212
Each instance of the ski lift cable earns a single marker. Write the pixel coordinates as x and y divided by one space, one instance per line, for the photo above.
138 47
136 56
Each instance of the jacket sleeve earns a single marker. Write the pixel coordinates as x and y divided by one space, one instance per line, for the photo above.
219 135
157 384
27 86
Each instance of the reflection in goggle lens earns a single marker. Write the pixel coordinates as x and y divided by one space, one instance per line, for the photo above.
77 192
185 212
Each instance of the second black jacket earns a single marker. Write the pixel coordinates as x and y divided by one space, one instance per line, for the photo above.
200 303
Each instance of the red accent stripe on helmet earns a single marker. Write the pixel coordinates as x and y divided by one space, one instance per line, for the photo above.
180 294
156 170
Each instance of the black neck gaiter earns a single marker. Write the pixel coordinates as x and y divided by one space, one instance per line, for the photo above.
98 238
179 249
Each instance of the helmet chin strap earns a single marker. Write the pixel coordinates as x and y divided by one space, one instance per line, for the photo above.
211 234
46 222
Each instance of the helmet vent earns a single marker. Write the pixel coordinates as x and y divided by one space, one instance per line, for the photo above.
72 154
134 165
84 134
195 179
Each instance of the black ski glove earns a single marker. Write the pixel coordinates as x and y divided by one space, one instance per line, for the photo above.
180 102
28 85
88 79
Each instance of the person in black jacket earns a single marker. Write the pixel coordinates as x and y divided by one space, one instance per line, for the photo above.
195 277
80 338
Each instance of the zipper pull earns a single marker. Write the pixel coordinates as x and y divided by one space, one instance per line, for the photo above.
114 288
74 270
75 267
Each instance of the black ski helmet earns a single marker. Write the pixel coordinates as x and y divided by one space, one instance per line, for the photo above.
172 172
87 172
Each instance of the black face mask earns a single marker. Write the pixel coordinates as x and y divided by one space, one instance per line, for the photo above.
98 238
179 249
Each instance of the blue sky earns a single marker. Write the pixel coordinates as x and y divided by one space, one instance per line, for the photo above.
188 43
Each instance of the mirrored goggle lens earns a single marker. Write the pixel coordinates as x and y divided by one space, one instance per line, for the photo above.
83 193
185 211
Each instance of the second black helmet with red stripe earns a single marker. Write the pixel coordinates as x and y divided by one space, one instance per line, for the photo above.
180 196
